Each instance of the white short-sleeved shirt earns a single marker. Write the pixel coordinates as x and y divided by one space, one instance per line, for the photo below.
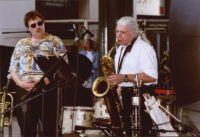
141 58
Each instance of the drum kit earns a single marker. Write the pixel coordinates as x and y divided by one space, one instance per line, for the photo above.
82 121
96 117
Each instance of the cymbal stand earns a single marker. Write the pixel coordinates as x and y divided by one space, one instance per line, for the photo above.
136 103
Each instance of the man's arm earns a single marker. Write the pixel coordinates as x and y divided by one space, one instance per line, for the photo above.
142 76
119 78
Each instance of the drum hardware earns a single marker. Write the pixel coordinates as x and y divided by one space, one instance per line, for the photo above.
166 98
164 94
136 103
167 102
105 130
167 95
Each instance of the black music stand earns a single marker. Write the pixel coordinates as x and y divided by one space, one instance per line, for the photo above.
58 73
57 64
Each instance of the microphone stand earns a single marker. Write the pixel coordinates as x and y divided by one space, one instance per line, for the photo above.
136 103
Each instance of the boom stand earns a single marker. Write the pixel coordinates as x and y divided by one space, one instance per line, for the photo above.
59 74
136 103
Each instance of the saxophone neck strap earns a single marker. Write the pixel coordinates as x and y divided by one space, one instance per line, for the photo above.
128 49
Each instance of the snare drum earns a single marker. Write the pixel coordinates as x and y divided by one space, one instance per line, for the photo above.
72 116
100 110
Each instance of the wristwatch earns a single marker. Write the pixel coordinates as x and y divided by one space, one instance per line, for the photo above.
126 78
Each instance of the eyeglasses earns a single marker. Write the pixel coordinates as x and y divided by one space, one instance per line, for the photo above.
39 23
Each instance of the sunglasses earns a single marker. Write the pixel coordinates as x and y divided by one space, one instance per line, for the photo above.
39 23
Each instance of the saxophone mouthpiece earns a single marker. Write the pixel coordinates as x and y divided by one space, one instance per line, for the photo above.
117 41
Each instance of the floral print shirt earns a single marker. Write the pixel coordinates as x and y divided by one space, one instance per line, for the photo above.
22 60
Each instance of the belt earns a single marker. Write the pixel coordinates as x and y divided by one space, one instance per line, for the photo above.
144 87
127 88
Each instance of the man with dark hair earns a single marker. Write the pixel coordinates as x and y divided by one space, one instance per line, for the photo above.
26 74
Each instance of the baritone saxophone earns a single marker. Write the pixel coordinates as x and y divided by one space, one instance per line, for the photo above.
102 88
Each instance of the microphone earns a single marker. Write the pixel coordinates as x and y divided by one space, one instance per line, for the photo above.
70 30
76 32
88 32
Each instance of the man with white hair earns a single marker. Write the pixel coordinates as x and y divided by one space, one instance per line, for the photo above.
134 56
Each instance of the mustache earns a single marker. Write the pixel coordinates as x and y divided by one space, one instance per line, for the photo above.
39 29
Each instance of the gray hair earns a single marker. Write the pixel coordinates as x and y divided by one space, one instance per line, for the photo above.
133 25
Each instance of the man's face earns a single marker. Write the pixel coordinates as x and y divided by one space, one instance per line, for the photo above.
124 35
36 27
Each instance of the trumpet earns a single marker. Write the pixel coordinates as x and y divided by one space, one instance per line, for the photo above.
6 102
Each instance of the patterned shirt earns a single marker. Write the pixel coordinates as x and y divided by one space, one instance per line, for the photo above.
22 60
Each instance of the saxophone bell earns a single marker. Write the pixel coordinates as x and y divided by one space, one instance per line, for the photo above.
100 87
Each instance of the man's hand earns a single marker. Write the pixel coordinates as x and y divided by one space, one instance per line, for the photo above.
115 79
28 86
